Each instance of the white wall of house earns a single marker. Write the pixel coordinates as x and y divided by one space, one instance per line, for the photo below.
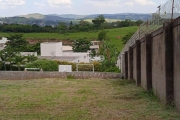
51 49
3 42
97 58
28 53
82 57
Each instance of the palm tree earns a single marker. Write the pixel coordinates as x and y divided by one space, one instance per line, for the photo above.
19 61
3 56
31 58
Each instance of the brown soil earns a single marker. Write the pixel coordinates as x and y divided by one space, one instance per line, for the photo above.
64 42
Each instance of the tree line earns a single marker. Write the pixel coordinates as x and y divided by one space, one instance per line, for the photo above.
96 24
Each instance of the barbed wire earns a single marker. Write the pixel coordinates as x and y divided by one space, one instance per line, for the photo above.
166 12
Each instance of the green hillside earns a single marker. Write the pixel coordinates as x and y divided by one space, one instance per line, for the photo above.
115 35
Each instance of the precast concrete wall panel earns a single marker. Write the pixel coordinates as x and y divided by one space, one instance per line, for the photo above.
134 65
176 36
158 67
143 65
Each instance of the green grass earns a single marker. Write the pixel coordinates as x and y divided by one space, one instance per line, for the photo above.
74 99
115 35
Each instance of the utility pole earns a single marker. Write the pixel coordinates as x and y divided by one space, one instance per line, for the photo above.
159 7
172 15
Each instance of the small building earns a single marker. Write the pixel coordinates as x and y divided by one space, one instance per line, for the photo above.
51 49
3 42
95 45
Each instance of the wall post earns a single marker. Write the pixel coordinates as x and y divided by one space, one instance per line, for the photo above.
123 65
138 63
148 43
130 56
126 65
169 66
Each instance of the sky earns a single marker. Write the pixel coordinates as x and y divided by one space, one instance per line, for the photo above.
80 7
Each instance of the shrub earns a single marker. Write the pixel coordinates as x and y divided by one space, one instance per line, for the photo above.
112 69
102 35
46 65
97 66
70 77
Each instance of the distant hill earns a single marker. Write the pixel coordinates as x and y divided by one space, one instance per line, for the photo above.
54 19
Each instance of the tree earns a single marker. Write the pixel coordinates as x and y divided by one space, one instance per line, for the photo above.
127 37
81 45
110 54
98 21
19 60
71 25
17 43
31 58
139 22
7 55
62 26
102 35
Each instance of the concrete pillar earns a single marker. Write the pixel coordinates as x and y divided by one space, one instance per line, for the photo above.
126 65
123 65
168 42
130 56
148 42
138 63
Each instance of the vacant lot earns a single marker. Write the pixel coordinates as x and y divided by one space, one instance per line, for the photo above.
58 99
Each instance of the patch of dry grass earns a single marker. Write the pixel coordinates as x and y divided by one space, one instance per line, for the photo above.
91 99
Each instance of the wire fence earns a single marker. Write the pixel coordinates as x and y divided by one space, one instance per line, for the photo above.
166 12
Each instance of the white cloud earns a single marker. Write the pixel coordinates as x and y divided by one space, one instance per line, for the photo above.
129 3
104 3
11 3
40 5
58 3
145 2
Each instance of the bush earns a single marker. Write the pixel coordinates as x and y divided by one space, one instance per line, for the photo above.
102 35
46 65
112 69
97 66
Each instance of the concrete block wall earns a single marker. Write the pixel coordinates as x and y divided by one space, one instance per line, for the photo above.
154 62
26 75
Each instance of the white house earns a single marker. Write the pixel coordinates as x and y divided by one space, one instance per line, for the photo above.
55 51
67 49
3 42
95 45
51 49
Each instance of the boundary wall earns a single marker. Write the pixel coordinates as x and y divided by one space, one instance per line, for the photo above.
27 75
154 62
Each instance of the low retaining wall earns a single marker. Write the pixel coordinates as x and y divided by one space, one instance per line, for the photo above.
26 75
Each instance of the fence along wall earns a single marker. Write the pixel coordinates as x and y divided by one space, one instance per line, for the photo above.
157 63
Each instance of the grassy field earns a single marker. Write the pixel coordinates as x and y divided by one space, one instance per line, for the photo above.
65 99
115 35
